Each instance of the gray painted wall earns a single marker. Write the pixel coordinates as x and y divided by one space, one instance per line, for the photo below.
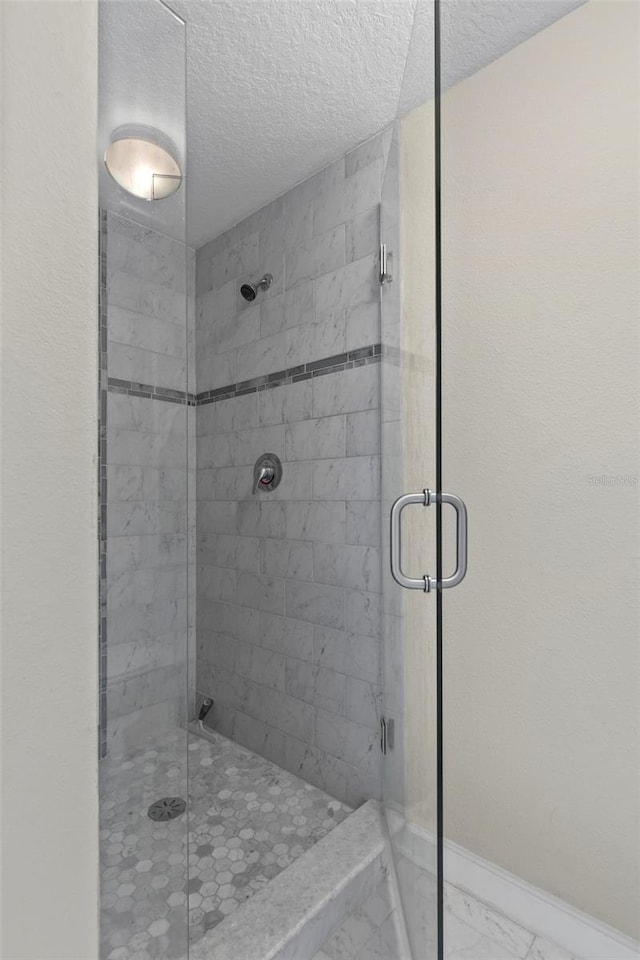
288 591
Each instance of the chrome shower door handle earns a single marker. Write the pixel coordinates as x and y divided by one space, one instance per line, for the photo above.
395 540
427 583
461 540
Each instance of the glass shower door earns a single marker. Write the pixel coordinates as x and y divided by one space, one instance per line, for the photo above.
145 693
408 333
540 437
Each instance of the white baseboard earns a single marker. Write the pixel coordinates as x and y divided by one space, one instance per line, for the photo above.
536 910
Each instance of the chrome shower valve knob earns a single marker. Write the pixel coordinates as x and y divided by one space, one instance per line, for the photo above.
267 473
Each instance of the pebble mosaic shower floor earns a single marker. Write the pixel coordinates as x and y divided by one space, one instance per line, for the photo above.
248 819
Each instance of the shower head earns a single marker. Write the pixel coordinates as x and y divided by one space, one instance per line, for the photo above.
250 290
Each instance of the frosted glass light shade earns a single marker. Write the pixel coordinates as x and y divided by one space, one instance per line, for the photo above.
143 162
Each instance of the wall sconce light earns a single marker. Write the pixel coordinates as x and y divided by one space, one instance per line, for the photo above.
143 161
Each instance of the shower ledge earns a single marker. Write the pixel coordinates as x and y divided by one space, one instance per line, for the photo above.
301 908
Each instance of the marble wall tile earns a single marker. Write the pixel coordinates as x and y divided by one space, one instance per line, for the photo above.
368 152
138 621
261 357
316 533
355 478
315 439
267 667
357 193
290 225
217 583
317 767
214 370
349 741
347 392
321 254
323 337
145 297
163 263
316 685
136 448
148 333
251 444
147 586
363 433
134 657
218 616
315 520
216 450
150 552
237 329
286 635
288 714
213 307
272 318
287 558
241 413
262 518
143 366
363 702
248 624
126 694
315 602
218 516
128 733
362 325
351 566
141 518
126 412
124 482
236 553
296 483
363 234
258 736
286 404
363 613
352 654
363 522
354 283
206 420
299 305
169 483
261 592
240 258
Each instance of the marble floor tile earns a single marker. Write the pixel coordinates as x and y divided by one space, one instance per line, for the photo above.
164 883
464 943
487 922
544 950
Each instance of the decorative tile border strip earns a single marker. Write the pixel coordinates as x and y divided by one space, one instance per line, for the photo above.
151 392
304 371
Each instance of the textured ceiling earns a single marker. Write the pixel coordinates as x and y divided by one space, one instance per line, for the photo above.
279 88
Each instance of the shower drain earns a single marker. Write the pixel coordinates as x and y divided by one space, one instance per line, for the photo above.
167 809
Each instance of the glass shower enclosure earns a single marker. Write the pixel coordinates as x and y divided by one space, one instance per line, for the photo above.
146 525
412 329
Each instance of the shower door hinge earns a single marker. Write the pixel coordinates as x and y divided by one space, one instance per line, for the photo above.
385 262
386 735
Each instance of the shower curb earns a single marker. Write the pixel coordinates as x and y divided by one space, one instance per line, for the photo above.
297 911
